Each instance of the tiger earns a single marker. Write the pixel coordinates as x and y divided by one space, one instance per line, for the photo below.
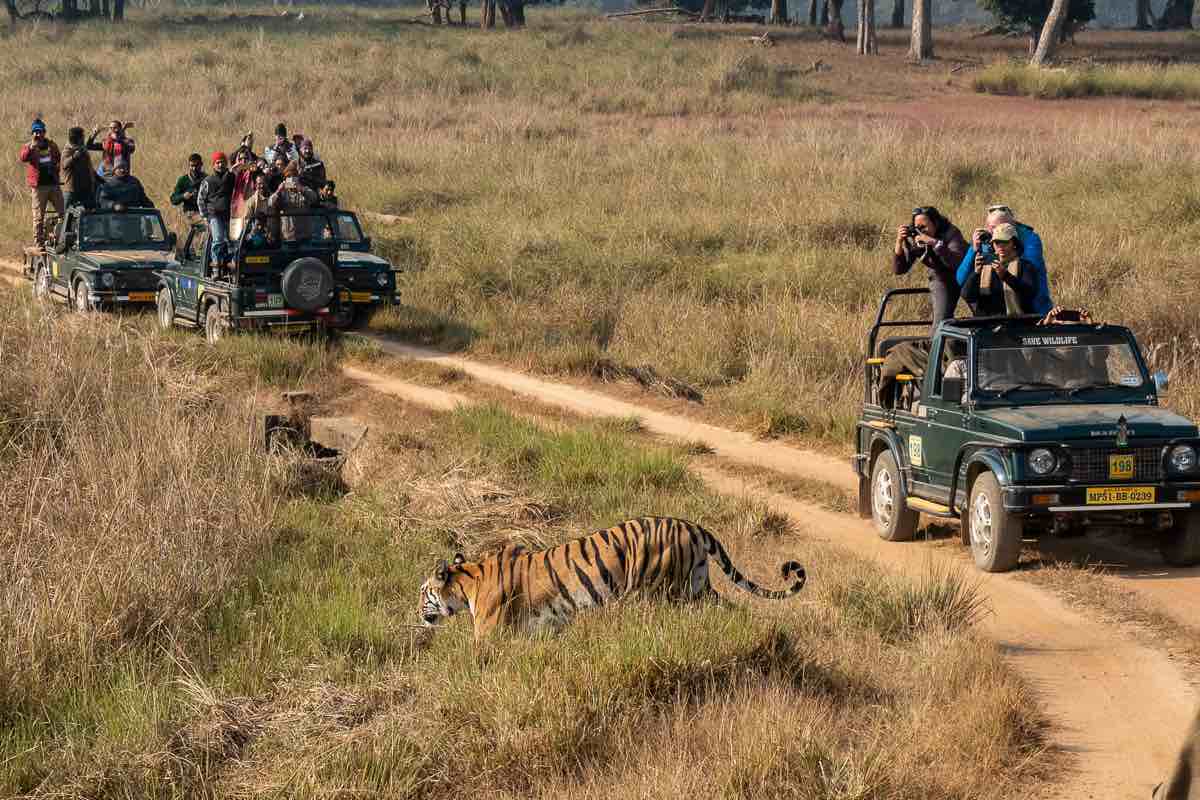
520 589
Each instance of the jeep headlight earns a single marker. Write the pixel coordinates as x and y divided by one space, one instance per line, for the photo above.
1042 461
106 280
1182 458
382 279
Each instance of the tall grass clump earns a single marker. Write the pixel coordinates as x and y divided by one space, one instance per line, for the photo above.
1174 82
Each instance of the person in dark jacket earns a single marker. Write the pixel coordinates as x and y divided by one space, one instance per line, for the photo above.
1031 251
327 196
310 168
122 189
214 201
1006 286
187 187
932 240
42 158
78 179
283 146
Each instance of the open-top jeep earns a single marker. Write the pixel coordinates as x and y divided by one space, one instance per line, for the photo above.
1022 429
102 259
295 271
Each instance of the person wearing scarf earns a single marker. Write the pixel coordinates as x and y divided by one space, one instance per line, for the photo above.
1005 287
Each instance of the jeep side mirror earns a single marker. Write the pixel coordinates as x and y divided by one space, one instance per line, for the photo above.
172 240
952 389
1161 381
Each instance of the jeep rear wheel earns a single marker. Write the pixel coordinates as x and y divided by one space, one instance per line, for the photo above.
1180 547
41 283
995 533
894 520
214 325
82 298
166 309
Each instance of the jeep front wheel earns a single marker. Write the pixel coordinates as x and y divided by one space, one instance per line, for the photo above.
214 326
995 533
1180 547
894 520
83 300
166 309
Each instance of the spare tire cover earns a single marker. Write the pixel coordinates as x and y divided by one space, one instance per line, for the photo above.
307 284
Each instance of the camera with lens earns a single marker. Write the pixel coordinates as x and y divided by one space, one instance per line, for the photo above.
985 237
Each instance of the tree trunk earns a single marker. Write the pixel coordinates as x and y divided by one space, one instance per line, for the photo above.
118 10
11 6
1177 14
898 14
1051 31
866 28
921 46
836 28
516 11
487 14
824 20
70 11
779 13
812 12
1145 16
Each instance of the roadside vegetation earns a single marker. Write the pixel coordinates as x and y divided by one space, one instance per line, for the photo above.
598 198
178 619
1175 82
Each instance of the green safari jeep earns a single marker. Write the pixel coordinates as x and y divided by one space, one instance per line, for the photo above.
102 259
1020 429
295 271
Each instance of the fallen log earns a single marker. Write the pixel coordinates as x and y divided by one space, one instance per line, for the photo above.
644 11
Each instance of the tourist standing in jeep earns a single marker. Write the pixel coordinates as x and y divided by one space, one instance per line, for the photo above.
42 158
78 178
187 187
214 201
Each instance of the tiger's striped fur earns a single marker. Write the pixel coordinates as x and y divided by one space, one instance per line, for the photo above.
658 556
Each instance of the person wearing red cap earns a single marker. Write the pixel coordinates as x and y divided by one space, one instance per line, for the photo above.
214 201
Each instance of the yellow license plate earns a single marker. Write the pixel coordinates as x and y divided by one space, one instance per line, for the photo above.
360 297
141 297
1120 495
1120 467
258 259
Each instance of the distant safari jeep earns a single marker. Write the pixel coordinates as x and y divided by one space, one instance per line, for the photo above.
102 259
295 271
1019 429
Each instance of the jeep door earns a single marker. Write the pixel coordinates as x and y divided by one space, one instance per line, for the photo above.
60 271
186 284
941 425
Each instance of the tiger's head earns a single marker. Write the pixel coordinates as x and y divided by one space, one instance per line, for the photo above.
440 596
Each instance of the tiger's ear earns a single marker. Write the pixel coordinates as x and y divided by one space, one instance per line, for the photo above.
443 571
458 559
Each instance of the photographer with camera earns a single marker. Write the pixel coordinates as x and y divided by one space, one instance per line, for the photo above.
1005 286
934 241
42 160
1031 252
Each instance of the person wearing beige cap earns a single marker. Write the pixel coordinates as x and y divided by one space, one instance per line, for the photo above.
1006 286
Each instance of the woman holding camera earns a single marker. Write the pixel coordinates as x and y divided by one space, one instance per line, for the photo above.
934 241
1006 286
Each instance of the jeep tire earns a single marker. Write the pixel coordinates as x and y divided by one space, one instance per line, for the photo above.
1180 546
307 284
80 297
894 520
995 533
214 324
166 309
41 282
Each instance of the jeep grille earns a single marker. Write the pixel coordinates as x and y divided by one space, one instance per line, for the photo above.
1091 464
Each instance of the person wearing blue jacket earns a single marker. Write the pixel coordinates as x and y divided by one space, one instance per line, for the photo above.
1031 252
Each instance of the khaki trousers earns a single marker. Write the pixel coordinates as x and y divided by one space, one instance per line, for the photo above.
42 197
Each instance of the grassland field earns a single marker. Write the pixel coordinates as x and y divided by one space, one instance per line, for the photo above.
179 616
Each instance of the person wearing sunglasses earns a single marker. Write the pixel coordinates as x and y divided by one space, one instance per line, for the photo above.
934 241
1031 251
42 160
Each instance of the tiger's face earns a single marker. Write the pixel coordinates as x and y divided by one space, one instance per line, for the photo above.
441 597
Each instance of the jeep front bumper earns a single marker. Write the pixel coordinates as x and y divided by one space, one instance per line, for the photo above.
1100 497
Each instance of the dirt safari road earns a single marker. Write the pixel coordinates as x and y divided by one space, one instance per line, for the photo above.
1120 708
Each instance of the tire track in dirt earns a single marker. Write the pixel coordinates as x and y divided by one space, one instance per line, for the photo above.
1120 708
1176 591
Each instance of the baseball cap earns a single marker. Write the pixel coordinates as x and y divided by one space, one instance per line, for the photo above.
1006 232
37 126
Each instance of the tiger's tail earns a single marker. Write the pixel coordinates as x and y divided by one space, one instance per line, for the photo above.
789 569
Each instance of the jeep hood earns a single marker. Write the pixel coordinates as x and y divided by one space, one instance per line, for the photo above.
350 259
1087 422
122 259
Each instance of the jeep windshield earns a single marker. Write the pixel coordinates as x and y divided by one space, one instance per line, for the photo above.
131 229
292 229
1076 365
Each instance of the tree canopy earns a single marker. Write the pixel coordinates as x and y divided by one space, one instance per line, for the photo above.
1025 15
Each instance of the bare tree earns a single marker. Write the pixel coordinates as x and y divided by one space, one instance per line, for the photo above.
1145 16
921 47
11 5
1177 14
898 14
779 13
836 28
1051 32
812 12
866 28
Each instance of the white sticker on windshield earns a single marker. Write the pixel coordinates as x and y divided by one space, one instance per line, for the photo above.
1131 380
